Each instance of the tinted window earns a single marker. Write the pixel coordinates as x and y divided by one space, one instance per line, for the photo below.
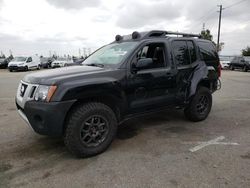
181 53
208 51
191 51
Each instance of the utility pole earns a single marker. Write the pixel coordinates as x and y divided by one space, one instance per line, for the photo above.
203 26
218 39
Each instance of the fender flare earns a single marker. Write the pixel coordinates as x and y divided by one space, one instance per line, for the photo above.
200 75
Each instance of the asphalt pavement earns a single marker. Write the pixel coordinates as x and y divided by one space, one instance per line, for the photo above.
160 150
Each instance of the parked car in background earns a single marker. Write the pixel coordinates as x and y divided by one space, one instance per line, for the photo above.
61 62
4 62
241 62
77 61
24 63
46 62
225 62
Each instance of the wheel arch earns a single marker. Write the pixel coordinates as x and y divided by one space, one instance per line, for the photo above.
116 104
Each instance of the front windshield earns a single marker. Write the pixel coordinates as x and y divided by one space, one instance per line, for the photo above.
44 59
61 59
224 58
111 54
247 58
20 59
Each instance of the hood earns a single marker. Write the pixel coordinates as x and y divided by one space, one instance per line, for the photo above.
55 76
16 62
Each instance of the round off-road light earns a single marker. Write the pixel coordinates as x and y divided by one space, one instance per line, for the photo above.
135 35
118 37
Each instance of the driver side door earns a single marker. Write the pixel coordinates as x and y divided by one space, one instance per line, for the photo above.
152 86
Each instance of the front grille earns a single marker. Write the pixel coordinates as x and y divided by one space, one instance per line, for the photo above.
33 89
23 89
25 92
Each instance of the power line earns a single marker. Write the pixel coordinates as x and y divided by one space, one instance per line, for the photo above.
235 4
198 22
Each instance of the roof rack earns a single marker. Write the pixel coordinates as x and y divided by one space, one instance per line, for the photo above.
154 33
158 33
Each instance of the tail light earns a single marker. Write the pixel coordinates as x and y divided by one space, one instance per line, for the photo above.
219 70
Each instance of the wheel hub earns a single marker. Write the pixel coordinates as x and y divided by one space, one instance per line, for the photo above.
94 131
202 104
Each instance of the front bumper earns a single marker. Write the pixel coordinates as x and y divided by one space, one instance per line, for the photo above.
46 118
56 66
17 68
3 65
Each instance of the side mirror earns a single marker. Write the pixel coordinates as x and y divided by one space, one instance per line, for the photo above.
144 63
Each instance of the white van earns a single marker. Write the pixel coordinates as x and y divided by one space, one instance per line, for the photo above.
24 63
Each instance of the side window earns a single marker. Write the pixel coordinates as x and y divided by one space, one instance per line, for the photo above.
208 51
154 51
29 60
181 52
142 53
192 51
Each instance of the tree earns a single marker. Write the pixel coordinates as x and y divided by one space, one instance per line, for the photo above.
246 51
206 34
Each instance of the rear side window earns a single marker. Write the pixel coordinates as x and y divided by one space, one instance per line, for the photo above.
184 52
208 51
181 53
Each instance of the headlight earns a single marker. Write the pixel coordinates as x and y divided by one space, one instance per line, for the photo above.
20 64
44 93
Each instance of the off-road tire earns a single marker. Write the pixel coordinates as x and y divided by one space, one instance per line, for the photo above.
74 124
192 112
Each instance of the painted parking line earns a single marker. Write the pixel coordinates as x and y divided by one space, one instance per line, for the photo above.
215 141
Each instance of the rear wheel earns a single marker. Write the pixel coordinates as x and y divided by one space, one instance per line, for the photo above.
90 129
200 106
26 68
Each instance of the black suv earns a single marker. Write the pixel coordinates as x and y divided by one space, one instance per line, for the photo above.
134 75
4 62
242 63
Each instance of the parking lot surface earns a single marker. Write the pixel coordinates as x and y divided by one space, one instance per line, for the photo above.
160 150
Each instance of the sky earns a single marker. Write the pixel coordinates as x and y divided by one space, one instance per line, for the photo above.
70 26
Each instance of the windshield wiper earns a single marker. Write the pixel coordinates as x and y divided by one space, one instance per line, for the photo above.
95 64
